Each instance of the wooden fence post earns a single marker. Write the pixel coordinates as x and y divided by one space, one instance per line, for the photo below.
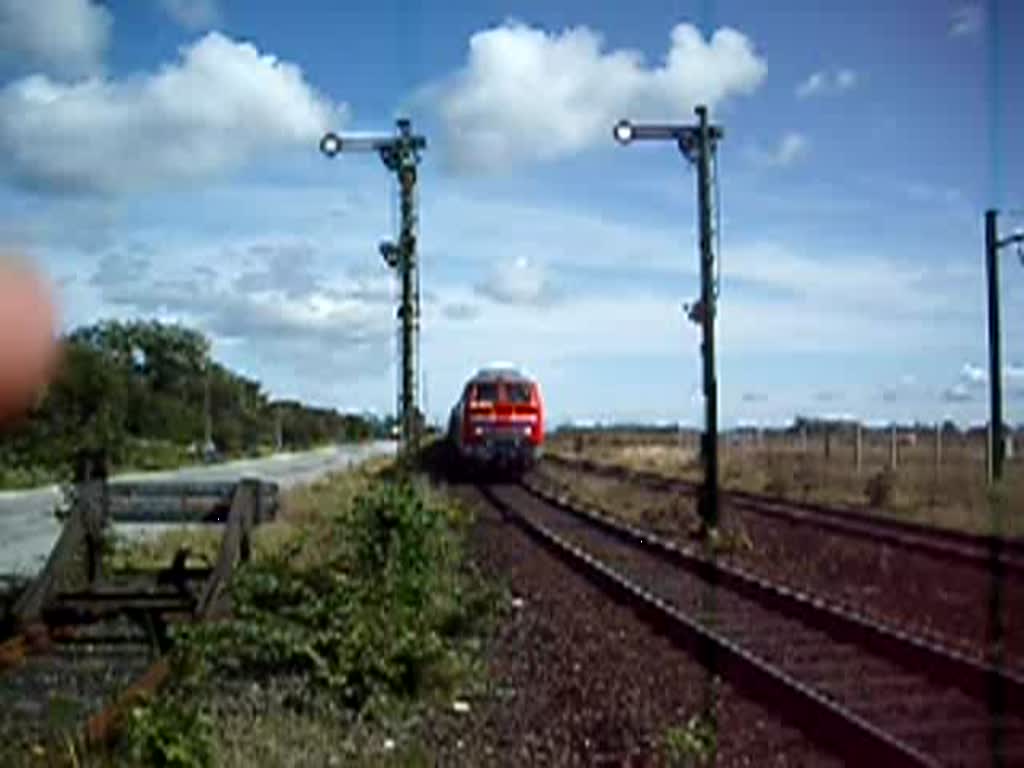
893 458
828 442
858 454
94 498
938 449
988 453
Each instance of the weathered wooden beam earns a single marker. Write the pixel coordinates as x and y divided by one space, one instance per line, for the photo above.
220 489
185 502
234 543
84 521
99 602
76 559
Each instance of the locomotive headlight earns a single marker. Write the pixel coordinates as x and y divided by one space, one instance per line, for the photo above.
478 431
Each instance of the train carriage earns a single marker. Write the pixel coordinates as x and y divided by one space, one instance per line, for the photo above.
498 422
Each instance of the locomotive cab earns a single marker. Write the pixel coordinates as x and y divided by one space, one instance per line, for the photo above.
499 422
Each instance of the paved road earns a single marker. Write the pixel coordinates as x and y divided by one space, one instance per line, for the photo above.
28 527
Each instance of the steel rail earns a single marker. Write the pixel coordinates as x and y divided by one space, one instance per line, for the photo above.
974 549
824 722
811 711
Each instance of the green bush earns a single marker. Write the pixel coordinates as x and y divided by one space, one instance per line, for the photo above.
25 477
169 733
152 455
373 616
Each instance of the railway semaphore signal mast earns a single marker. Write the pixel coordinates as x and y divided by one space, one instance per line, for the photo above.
400 153
698 144
993 244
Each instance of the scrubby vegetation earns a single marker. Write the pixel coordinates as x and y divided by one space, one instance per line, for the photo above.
355 613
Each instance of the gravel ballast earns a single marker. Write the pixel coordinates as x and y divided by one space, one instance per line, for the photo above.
578 679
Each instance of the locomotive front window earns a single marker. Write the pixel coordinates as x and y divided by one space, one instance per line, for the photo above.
517 392
486 391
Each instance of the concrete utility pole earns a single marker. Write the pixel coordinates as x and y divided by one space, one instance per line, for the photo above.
997 436
400 154
698 144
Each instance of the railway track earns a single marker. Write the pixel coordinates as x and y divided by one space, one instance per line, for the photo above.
958 546
90 642
859 689
963 591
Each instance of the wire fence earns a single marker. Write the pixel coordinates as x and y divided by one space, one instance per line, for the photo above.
927 473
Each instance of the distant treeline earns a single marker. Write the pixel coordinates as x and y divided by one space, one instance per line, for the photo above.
141 392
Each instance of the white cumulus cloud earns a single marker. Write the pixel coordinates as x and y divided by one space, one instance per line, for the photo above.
845 79
966 20
791 148
65 37
822 82
973 374
522 281
526 94
192 14
222 103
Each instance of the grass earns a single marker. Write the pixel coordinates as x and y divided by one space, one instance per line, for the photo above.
953 494
357 616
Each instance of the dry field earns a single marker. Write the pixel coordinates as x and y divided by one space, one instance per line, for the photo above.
946 488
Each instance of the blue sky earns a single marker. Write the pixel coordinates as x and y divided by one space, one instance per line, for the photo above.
158 157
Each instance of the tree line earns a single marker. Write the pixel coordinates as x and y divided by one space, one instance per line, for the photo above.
148 395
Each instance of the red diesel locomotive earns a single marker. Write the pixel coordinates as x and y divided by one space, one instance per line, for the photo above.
498 421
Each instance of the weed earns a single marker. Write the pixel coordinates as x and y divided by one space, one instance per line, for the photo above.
169 733
728 541
880 488
691 745
780 479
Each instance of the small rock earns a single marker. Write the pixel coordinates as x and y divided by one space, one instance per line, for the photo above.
460 706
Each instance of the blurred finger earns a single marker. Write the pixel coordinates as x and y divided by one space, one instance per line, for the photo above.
28 348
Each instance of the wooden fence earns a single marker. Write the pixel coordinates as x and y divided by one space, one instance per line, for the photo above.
74 585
